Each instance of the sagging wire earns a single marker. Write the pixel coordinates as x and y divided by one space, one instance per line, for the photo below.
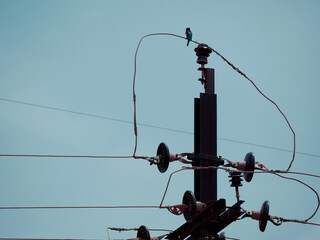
134 82
152 160
75 207
230 64
175 209
262 167
168 183
261 171
279 220
148 125
62 156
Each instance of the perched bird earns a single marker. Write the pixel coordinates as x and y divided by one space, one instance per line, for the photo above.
188 35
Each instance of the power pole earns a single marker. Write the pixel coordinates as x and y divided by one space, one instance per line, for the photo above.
215 217
205 134
205 214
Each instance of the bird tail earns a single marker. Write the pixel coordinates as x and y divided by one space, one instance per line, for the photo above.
188 42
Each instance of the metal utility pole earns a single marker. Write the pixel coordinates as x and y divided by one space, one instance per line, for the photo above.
205 133
208 222
205 214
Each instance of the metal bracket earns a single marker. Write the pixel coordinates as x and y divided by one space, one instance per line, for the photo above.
229 216
177 209
210 158
212 211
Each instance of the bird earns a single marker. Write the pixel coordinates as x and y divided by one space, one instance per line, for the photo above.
188 35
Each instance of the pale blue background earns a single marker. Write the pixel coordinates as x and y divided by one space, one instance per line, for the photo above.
78 55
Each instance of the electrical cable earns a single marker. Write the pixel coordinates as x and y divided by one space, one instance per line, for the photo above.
280 220
152 126
262 171
275 104
134 82
299 181
95 116
262 167
224 59
165 192
76 207
151 160
64 156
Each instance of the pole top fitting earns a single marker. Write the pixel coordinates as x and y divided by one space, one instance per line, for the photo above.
203 52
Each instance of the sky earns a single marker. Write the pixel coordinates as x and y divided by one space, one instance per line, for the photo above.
79 56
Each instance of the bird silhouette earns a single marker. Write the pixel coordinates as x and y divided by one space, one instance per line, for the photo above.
188 35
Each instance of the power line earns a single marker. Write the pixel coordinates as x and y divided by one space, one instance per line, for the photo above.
77 207
269 99
65 156
153 126
230 64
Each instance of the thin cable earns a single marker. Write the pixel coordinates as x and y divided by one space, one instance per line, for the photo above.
62 156
265 171
149 159
280 220
299 181
134 89
275 104
230 64
165 192
94 116
153 126
298 173
76 207
264 168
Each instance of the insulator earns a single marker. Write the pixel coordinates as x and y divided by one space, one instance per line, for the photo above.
264 215
250 164
143 233
222 236
203 52
164 155
236 179
190 200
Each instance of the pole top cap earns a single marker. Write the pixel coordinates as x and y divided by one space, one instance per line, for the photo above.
203 52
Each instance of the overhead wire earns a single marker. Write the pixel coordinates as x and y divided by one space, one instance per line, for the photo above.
261 171
75 207
62 156
152 126
230 64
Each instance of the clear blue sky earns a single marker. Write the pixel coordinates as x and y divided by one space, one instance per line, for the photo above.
78 55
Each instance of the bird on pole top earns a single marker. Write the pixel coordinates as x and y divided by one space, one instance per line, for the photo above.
188 35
